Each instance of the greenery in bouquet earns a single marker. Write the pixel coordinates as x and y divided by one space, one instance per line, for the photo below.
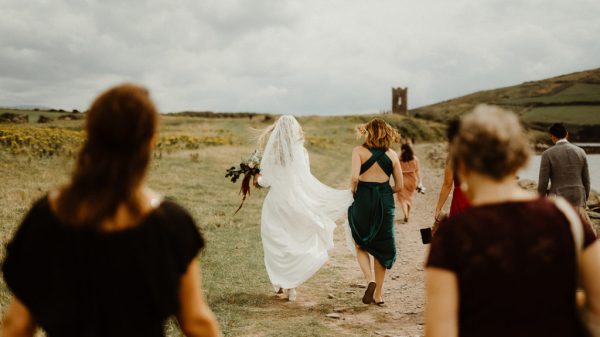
249 167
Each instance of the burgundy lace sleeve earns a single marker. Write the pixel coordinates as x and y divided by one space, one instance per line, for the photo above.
443 252
589 236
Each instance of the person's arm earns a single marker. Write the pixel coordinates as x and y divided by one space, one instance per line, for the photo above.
445 190
544 176
195 317
307 158
418 170
441 313
18 320
585 177
397 174
259 181
355 170
590 278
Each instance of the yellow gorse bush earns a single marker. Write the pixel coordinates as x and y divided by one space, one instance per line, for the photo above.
189 142
39 141
52 141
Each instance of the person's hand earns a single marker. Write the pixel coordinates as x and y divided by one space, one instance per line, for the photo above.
436 214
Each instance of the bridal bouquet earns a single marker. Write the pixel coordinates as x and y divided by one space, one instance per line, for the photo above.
249 167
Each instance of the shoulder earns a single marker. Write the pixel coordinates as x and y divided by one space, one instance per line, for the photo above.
186 239
571 148
175 219
176 214
392 154
578 149
549 150
36 226
358 149
38 216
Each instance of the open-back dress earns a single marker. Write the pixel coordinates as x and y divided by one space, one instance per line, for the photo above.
371 215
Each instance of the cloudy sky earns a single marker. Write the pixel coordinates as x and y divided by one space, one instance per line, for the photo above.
285 56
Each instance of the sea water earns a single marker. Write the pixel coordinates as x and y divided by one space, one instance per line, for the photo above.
533 169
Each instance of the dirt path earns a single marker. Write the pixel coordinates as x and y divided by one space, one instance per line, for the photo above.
340 283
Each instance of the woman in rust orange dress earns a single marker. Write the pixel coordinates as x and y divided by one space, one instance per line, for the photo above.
411 177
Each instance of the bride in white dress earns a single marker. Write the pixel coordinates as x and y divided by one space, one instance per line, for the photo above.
299 212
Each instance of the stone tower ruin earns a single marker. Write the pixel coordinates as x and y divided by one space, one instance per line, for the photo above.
399 101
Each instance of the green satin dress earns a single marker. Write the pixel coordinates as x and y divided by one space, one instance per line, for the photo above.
371 215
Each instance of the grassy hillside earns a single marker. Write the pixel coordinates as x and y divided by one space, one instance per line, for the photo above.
189 130
573 99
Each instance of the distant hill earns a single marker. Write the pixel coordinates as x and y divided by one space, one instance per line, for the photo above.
573 99
25 107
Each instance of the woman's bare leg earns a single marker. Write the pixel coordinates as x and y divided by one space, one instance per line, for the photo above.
404 210
379 277
364 261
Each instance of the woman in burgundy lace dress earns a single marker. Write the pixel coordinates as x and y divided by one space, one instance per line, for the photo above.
505 266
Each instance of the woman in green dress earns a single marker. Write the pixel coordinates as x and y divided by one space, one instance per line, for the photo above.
371 215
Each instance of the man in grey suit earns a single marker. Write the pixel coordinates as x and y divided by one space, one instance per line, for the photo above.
565 166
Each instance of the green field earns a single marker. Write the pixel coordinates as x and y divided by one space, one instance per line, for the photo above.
572 99
576 115
578 92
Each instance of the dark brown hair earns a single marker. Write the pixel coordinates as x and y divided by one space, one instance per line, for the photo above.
120 126
406 153
558 130
378 134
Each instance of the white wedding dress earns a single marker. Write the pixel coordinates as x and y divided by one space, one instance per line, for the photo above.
299 212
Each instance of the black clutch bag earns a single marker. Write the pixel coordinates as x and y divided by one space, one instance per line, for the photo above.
428 232
426 235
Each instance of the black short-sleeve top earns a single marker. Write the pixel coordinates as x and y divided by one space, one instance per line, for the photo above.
515 265
82 282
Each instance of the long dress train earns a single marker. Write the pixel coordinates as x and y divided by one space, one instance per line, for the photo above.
299 212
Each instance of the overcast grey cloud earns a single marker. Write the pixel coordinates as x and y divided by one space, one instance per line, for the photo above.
283 56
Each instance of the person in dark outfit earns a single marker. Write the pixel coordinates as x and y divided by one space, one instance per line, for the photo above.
371 215
505 266
104 255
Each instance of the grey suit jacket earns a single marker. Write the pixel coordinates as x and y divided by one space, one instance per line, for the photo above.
565 166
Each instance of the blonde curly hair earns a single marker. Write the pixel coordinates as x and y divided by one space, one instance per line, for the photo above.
378 134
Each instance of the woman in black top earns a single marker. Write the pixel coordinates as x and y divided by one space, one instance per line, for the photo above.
104 256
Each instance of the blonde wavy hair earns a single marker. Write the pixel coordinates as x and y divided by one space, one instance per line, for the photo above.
378 134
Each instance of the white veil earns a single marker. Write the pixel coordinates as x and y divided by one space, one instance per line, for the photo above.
285 167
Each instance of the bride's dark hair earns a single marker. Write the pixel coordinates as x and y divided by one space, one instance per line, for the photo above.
120 127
